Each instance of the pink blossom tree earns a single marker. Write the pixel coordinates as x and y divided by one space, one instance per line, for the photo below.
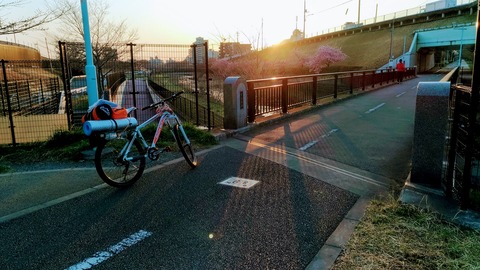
220 67
324 57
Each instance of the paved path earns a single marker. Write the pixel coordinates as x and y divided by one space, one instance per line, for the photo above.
314 173
142 95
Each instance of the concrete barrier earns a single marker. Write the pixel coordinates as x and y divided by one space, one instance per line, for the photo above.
430 132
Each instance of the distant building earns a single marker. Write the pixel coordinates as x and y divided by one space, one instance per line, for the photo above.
231 49
200 51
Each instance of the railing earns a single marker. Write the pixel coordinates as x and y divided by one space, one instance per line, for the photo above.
399 14
462 172
187 108
30 94
266 96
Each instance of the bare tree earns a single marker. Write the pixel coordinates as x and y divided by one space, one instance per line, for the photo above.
106 35
35 21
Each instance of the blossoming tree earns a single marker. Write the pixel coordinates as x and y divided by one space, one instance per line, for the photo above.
324 57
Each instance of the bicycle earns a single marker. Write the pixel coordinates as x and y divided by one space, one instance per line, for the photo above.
120 156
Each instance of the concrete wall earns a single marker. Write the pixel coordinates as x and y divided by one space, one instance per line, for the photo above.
17 52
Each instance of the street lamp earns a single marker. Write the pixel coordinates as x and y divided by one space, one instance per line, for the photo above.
90 70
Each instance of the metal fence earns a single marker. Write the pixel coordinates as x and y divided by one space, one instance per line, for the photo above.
39 98
30 93
462 178
266 96
157 70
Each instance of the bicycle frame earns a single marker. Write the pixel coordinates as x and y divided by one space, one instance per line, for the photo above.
164 116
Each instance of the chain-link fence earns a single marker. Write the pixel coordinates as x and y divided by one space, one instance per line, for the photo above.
31 95
157 70
42 97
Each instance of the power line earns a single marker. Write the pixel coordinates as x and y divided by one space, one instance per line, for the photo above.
330 8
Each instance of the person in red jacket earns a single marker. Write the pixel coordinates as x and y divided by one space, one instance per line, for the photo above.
400 70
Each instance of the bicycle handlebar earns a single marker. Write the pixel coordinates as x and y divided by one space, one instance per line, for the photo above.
172 97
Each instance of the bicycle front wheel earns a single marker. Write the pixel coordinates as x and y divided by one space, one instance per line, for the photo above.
185 146
113 168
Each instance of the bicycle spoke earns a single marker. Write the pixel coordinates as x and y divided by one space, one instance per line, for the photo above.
113 169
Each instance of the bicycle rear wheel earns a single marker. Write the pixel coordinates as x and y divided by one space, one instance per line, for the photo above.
113 169
185 146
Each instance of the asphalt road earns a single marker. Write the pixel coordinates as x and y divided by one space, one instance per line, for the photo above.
308 173
178 218
372 132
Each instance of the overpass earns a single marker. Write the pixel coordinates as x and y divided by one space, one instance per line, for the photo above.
427 41
430 35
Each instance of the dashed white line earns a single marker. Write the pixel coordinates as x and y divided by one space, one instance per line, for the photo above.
375 108
102 256
312 143
401 94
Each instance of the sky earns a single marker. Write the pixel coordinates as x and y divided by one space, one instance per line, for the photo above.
261 23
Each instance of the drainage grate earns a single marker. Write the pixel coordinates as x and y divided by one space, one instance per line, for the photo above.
239 182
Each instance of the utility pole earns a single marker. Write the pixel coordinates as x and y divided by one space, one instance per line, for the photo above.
358 20
304 17
90 70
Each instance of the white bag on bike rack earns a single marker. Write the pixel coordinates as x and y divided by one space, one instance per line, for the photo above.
98 126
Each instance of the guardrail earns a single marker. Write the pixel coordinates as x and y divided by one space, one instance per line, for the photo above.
391 16
462 175
272 95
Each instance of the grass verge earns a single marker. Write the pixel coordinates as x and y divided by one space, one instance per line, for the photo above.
393 235
68 146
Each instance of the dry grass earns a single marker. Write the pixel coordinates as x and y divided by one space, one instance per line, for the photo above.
397 236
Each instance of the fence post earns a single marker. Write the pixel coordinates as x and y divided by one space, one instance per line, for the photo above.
452 144
335 86
314 90
66 83
351 83
207 84
3 101
363 81
284 95
29 94
18 96
133 78
195 75
9 105
43 94
373 79
251 101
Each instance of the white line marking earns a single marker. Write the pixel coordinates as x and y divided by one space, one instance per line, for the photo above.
323 164
51 203
375 108
401 94
239 182
102 256
312 143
